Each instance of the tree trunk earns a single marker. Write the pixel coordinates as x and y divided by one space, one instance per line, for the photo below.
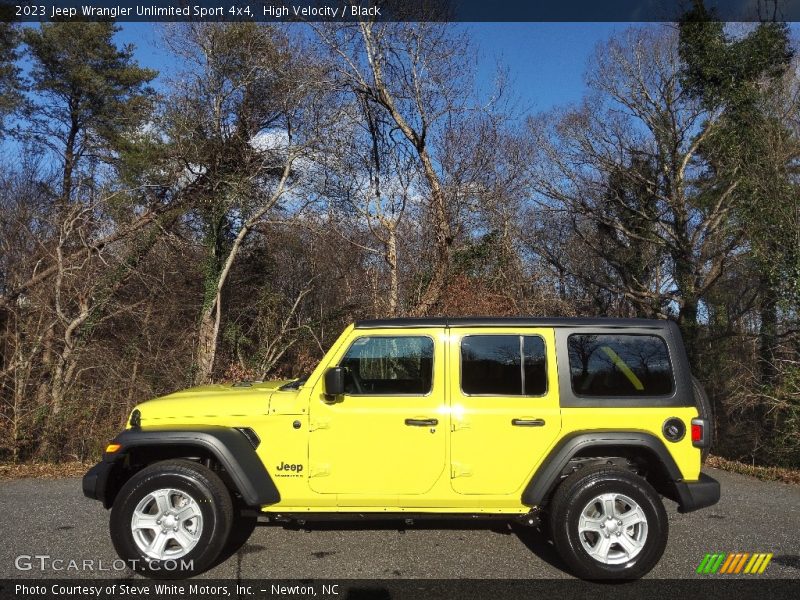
768 332
63 375
17 391
441 222
687 316
5 323
69 162
443 239
207 342
687 320
43 390
209 325
685 281
391 260
211 317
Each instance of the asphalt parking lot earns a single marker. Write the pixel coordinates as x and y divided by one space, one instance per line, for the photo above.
51 517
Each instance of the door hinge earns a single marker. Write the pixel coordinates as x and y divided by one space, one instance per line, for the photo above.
319 424
460 470
456 424
319 470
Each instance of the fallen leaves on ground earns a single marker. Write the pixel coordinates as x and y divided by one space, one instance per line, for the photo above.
43 470
782 474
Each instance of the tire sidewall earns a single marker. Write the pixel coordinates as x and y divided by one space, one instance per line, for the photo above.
574 552
207 547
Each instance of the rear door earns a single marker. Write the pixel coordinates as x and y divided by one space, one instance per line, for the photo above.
504 406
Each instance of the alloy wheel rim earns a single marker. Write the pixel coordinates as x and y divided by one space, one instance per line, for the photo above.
612 528
166 524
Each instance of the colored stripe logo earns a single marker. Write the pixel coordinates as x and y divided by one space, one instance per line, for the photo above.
734 563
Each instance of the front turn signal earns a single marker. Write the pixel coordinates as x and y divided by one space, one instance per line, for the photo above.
111 448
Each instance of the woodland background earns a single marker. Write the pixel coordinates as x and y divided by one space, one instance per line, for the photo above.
288 180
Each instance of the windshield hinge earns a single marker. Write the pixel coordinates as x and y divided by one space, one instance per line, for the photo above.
319 470
319 424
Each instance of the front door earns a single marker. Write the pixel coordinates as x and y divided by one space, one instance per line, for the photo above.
386 436
504 404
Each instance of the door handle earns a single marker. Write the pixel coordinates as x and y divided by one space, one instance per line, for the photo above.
422 422
528 422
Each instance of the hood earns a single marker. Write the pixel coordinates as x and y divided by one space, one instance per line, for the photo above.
217 400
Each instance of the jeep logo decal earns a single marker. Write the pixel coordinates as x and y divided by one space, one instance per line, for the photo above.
297 468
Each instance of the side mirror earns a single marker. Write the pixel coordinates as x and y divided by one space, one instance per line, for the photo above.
334 382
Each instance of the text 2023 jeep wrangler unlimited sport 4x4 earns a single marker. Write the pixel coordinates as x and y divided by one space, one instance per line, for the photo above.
580 423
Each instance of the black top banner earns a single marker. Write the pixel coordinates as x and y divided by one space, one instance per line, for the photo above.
395 10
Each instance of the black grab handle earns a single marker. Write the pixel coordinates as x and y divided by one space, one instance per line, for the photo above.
422 422
528 422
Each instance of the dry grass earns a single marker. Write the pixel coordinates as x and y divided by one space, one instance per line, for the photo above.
782 474
43 470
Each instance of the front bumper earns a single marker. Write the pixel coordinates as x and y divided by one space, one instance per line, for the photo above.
95 482
697 494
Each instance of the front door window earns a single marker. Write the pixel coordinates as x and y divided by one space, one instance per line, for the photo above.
389 365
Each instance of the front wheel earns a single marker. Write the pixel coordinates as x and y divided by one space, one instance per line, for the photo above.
608 523
171 519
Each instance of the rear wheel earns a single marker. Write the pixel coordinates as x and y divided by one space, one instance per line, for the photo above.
171 519
608 523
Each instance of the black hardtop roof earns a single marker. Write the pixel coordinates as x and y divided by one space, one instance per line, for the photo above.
511 322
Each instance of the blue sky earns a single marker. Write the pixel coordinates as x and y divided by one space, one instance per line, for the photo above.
546 61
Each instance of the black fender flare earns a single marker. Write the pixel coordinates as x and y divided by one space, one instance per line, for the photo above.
230 447
549 472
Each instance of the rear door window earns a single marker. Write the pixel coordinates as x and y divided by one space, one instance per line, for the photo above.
503 365
619 365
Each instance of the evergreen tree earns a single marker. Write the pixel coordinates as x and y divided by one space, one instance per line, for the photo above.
89 93
10 84
737 79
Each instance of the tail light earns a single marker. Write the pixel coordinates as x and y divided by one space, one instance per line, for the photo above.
699 433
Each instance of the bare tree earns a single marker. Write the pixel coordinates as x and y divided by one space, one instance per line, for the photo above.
246 113
371 180
416 74
624 172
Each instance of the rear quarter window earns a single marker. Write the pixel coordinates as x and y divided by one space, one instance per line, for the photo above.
619 365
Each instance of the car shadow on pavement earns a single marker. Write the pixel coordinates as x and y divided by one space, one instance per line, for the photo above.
533 538
500 527
538 542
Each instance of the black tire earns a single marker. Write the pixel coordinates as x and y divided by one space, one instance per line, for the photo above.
200 484
576 492
706 411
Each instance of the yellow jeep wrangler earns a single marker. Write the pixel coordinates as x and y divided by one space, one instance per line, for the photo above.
578 425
